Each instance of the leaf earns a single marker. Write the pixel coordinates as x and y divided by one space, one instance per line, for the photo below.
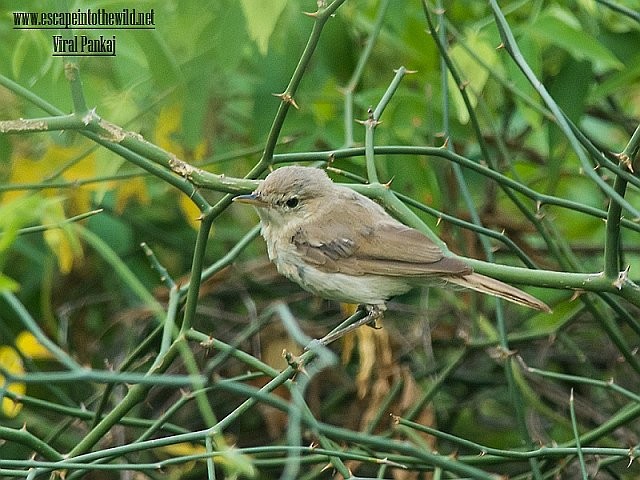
571 86
191 212
163 65
579 44
169 133
531 50
183 449
8 284
75 162
617 81
31 56
62 241
132 189
473 75
14 214
261 18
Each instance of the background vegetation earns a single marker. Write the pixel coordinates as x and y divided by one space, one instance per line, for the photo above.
510 130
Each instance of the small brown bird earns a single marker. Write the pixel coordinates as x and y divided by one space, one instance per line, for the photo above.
341 245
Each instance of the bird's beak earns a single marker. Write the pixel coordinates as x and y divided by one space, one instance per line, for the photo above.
251 199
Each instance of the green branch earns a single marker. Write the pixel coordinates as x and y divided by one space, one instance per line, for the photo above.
511 46
612 238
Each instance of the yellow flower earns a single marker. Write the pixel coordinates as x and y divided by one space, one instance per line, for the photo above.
11 362
30 347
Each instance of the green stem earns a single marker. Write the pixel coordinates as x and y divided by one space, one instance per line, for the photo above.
195 279
23 437
389 92
540 198
136 394
30 324
358 71
287 97
513 49
369 153
612 237
123 271
492 455
373 121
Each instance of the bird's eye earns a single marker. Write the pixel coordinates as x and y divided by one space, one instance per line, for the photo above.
292 202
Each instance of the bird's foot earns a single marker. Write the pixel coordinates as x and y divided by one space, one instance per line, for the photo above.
365 315
374 313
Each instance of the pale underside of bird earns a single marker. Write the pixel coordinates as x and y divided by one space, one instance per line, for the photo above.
343 246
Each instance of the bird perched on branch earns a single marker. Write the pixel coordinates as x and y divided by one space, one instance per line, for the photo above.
341 245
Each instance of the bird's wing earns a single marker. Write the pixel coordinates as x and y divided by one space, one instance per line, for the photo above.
386 248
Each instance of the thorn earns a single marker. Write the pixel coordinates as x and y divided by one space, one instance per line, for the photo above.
576 294
438 221
523 365
623 276
374 324
294 362
388 184
625 160
501 46
501 354
369 122
311 14
632 456
287 98
446 143
396 70
464 85
464 336
386 461
90 115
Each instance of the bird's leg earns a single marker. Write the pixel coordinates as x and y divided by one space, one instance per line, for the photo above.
373 313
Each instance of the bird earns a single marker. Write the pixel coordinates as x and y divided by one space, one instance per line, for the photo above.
340 245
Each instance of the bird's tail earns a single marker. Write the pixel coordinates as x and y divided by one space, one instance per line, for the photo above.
494 287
